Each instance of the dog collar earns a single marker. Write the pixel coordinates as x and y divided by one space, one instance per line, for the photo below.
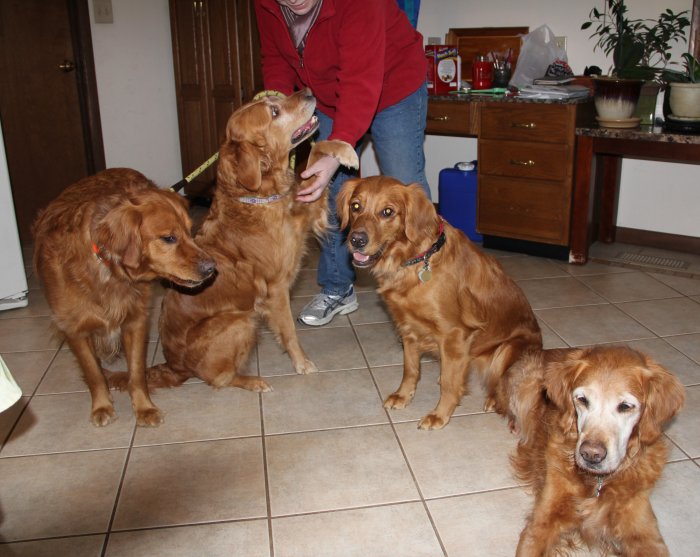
252 200
97 252
599 486
426 273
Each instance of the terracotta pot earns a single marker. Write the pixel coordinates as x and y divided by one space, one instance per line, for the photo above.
685 100
616 99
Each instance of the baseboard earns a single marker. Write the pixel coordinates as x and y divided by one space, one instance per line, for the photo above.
660 240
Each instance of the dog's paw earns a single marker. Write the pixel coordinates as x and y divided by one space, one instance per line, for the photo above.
101 417
149 417
433 421
489 404
397 401
340 150
307 366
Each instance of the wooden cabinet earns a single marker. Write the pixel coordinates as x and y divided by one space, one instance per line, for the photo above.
217 69
526 154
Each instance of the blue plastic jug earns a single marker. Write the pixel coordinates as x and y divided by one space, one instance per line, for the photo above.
457 188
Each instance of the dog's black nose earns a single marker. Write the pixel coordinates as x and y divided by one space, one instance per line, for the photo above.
206 267
358 240
593 453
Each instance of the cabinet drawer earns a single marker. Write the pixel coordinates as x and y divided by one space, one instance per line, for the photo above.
523 160
453 118
523 209
539 122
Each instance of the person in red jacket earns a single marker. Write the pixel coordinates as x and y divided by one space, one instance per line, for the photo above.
366 66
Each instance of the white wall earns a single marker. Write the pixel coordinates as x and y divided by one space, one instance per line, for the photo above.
136 89
137 99
656 196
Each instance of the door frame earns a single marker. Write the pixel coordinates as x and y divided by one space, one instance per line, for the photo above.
86 78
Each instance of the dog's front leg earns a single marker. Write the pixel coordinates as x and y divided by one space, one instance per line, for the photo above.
281 322
552 517
454 369
134 342
102 408
637 528
411 375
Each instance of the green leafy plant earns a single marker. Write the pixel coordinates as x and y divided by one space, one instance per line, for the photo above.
640 48
691 74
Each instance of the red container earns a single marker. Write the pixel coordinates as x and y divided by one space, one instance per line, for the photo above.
482 73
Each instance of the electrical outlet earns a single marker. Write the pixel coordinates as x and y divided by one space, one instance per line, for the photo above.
560 42
434 40
103 11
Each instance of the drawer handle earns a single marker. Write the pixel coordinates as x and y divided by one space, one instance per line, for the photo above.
522 163
439 118
529 125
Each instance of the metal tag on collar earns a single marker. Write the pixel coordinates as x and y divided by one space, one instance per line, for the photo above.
426 273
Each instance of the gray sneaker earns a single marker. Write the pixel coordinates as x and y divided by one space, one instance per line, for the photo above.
324 307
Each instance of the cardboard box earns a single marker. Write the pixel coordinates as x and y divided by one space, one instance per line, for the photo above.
444 68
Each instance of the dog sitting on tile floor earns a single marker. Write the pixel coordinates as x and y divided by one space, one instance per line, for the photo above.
591 447
445 295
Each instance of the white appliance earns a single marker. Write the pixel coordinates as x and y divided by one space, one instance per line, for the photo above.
13 280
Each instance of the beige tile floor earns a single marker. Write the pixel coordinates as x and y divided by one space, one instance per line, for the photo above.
317 467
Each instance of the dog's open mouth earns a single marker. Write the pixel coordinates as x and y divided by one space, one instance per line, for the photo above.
305 131
360 259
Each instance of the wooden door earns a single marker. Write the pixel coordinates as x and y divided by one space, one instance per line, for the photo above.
217 69
50 122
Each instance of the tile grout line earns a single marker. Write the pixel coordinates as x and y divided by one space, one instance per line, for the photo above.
401 447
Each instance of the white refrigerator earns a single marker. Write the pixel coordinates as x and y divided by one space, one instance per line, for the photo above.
13 279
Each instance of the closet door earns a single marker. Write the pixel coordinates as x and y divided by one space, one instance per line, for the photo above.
217 69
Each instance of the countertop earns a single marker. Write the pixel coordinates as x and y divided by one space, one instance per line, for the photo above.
642 133
476 97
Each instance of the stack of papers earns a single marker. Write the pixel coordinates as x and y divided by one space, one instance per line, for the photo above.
554 91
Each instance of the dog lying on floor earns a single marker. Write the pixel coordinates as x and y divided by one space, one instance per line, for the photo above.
591 447
97 248
256 231
445 295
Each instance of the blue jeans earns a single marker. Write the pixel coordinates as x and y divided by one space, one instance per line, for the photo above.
398 133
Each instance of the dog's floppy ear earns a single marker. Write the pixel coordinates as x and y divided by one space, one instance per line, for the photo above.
240 162
664 397
342 201
420 216
559 378
118 233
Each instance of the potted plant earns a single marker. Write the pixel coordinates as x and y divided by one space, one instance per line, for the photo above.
641 51
684 98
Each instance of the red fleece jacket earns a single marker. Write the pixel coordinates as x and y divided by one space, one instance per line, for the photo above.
361 56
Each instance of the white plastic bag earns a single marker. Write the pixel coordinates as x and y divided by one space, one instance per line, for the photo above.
538 51
9 390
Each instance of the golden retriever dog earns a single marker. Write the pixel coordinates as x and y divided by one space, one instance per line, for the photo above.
591 447
256 231
445 295
98 246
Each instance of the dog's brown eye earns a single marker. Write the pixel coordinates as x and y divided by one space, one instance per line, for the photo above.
355 206
275 111
582 400
387 212
624 407
169 239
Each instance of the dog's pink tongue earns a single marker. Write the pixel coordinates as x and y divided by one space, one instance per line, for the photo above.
360 257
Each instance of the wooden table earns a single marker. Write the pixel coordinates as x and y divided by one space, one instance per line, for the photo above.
599 153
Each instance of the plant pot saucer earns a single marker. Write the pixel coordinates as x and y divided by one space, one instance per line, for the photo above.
682 118
621 123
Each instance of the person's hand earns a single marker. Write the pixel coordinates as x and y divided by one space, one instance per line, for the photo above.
324 169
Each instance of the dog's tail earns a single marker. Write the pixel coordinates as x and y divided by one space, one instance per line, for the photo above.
158 376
